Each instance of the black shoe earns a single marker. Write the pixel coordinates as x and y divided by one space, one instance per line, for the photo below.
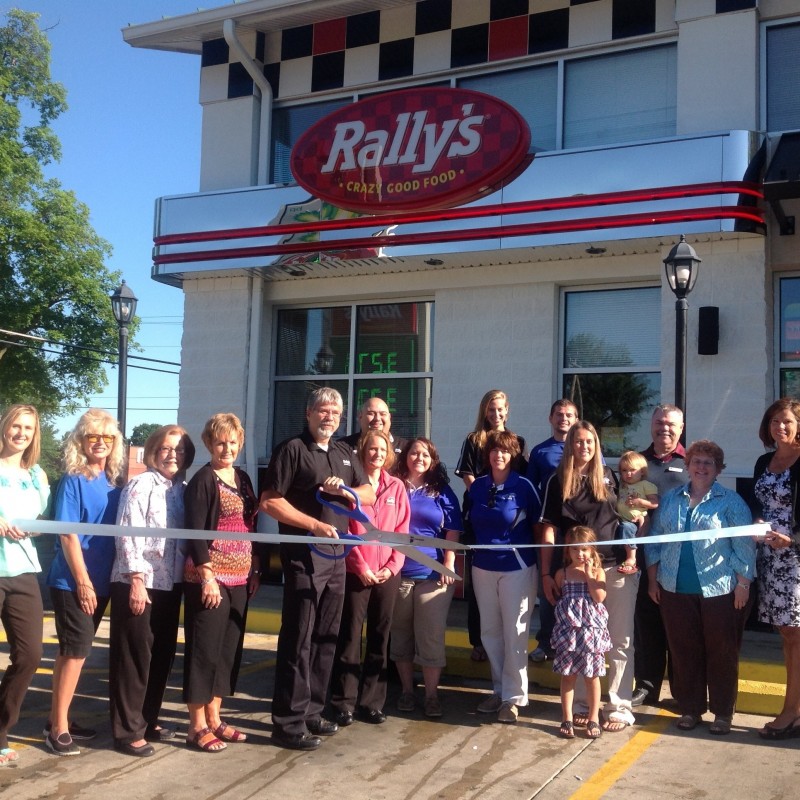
370 715
77 732
321 727
296 741
344 718
644 694
62 745
161 733
142 751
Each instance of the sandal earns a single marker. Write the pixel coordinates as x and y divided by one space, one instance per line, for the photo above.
790 731
594 731
201 741
721 726
9 757
566 730
580 719
611 725
688 722
627 569
227 733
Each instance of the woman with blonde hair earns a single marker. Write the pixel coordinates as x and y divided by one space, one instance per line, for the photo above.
219 577
146 592
79 577
584 492
23 495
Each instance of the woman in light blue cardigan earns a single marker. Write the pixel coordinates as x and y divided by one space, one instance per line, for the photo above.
703 589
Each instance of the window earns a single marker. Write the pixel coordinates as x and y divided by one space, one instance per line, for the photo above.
382 350
621 97
611 357
783 75
534 94
789 337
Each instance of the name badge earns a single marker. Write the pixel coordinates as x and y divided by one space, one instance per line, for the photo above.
674 469
345 462
390 501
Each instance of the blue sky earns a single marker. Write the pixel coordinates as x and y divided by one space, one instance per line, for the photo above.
131 134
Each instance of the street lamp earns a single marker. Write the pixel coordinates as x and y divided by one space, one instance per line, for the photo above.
123 304
681 266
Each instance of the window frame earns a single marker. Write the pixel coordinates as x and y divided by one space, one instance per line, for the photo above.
763 87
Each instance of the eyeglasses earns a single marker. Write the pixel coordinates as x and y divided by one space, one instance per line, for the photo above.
165 451
94 438
492 497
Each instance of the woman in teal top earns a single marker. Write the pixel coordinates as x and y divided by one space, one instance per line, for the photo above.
23 495
703 588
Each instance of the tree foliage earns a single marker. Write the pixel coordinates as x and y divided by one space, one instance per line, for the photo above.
142 431
53 278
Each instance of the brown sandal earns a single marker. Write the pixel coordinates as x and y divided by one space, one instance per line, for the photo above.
627 569
212 745
593 730
229 734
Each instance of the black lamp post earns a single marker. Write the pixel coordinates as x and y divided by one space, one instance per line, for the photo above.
681 266
123 304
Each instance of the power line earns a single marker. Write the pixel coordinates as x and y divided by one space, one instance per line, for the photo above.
82 347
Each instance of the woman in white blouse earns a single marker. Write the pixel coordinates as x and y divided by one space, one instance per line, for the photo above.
146 593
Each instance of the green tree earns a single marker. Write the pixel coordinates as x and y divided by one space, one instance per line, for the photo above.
142 431
53 278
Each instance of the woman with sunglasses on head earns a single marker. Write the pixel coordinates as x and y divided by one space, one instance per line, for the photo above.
23 495
504 507
146 591
79 577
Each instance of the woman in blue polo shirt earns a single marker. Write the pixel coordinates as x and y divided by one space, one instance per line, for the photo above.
424 597
504 507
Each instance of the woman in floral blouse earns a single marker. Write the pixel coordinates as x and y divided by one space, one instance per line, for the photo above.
146 593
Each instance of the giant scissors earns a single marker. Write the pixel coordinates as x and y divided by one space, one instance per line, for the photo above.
405 543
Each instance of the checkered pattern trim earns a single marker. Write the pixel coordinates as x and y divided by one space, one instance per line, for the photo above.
428 38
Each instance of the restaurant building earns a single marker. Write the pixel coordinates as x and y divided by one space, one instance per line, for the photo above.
366 220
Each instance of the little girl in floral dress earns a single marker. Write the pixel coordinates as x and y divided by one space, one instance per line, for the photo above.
580 635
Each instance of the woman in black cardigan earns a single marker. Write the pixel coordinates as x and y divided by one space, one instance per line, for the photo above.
219 577
777 477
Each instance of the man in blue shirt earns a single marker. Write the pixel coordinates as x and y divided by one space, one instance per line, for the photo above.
542 463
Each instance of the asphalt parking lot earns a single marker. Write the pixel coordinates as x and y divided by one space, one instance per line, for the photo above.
463 755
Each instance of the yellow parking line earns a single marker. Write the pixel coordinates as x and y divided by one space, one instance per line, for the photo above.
598 784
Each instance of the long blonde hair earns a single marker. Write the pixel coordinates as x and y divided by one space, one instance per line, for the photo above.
478 435
570 477
32 452
95 420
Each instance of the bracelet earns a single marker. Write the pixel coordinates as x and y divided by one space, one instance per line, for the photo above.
743 585
206 581
255 572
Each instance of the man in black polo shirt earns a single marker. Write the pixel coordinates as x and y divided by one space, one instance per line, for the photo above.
313 582
374 416
666 469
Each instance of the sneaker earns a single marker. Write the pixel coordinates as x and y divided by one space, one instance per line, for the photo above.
406 702
433 708
491 705
508 713
62 745
76 731
539 655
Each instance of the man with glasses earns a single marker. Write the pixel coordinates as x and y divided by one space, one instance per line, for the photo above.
666 469
313 579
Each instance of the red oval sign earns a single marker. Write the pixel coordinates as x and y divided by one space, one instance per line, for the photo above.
412 149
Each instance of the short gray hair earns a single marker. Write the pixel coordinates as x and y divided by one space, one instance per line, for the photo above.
323 396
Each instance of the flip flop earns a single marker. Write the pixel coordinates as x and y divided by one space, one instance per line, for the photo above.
594 731
790 731
580 720
566 730
627 569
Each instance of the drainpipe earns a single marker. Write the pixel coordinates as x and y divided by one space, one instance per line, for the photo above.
263 93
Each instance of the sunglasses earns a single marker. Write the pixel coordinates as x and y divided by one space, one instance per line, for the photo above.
94 438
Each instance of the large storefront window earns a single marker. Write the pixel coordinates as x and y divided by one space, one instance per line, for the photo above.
382 350
789 337
783 75
603 105
611 360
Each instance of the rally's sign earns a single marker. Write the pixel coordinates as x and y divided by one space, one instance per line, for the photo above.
411 150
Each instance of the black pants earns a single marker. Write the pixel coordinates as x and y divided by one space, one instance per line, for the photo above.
351 683
650 647
313 595
214 643
21 613
141 652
